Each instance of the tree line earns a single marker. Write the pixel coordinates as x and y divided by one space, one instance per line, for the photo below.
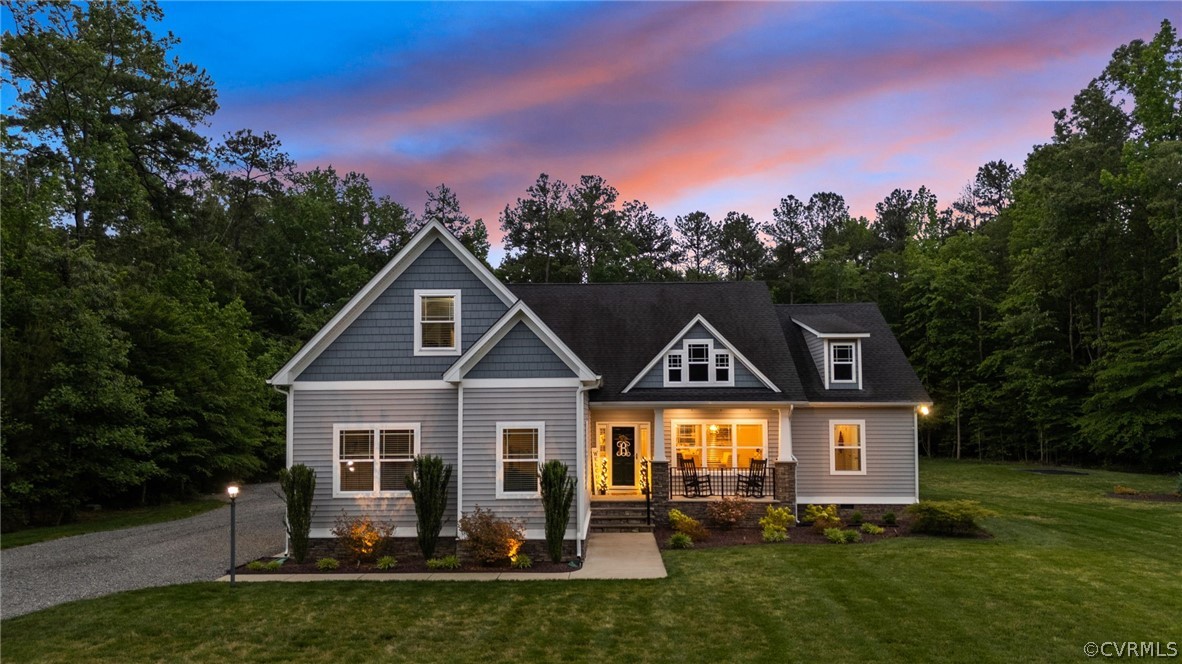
153 278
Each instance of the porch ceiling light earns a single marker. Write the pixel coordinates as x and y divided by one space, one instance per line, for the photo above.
713 428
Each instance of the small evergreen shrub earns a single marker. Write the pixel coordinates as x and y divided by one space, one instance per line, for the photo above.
446 562
360 536
491 539
298 484
856 519
772 534
681 541
387 562
822 518
871 529
839 536
890 519
683 523
1122 490
775 523
327 564
947 517
727 512
428 488
523 561
558 492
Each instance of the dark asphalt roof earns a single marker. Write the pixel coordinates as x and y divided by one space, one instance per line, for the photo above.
829 323
886 373
617 329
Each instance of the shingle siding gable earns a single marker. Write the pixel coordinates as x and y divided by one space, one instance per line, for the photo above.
520 354
655 378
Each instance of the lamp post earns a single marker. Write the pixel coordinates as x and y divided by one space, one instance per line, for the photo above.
233 491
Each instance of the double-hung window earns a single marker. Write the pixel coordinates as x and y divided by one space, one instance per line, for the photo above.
847 447
437 322
696 363
374 459
842 358
521 448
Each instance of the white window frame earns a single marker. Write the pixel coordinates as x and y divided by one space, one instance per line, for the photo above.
712 356
856 344
500 447
418 322
377 430
704 425
861 424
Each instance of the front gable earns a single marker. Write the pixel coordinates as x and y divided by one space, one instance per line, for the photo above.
741 372
520 354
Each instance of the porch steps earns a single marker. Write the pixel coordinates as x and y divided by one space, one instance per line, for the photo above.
618 517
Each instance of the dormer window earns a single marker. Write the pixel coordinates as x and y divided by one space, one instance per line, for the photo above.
841 363
698 363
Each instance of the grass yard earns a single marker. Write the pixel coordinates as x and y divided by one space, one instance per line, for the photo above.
93 522
1067 566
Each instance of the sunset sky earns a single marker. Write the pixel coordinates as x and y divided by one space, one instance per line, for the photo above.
704 106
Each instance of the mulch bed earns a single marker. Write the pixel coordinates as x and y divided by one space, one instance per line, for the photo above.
798 535
406 567
1155 497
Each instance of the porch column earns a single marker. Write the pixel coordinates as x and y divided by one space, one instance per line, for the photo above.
785 451
658 435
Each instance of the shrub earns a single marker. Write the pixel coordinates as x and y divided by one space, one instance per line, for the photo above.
523 561
856 518
890 519
681 541
360 536
491 539
727 512
839 536
1178 487
558 491
774 534
1122 490
822 518
683 523
871 529
260 566
947 517
446 562
428 488
327 564
387 562
298 483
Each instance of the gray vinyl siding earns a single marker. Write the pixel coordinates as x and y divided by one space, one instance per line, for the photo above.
379 344
656 376
483 408
888 449
315 413
817 350
520 354
690 415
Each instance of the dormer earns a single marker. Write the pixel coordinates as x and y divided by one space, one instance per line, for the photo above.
836 347
699 356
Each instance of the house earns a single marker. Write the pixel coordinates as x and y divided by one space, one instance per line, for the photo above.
684 392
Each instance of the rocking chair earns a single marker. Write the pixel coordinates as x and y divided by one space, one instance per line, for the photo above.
751 483
696 486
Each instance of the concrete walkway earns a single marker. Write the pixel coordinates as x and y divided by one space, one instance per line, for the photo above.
609 556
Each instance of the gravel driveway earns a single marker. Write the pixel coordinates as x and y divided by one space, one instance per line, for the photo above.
195 549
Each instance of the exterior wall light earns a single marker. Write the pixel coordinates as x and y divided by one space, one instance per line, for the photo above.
924 410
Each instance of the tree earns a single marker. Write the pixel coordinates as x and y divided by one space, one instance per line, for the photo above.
698 240
648 250
740 251
535 232
443 206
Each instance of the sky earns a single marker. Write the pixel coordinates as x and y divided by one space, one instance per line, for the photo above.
695 106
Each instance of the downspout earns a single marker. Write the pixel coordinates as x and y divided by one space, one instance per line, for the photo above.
581 457
289 443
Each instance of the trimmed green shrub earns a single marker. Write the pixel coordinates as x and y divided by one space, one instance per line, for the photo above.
890 519
773 534
260 566
491 539
727 512
947 517
360 536
775 523
683 523
856 519
839 536
822 518
558 492
387 562
446 562
523 561
681 541
428 488
871 529
298 484
327 564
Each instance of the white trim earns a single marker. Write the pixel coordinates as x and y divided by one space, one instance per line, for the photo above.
638 457
861 424
581 454
290 433
459 454
399 531
658 435
721 339
712 357
915 431
519 312
602 405
500 448
377 285
785 451
856 500
343 385
860 404
833 335
455 349
830 365
377 428
705 421
521 382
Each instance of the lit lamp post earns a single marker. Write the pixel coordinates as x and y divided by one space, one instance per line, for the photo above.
233 491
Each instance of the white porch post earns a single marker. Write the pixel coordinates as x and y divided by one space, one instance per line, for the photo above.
658 434
785 451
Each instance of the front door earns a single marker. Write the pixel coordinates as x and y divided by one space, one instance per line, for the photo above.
623 453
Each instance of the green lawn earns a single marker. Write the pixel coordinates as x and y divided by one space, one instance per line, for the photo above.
1067 566
93 522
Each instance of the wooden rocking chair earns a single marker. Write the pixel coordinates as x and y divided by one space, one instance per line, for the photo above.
751 483
696 486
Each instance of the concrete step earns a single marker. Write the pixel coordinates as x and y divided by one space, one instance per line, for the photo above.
621 528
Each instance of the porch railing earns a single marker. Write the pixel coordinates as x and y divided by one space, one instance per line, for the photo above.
723 482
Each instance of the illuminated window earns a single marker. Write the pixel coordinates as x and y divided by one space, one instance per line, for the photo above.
437 322
520 450
846 447
721 444
374 459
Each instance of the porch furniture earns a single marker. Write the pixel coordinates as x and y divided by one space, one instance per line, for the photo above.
751 483
696 486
